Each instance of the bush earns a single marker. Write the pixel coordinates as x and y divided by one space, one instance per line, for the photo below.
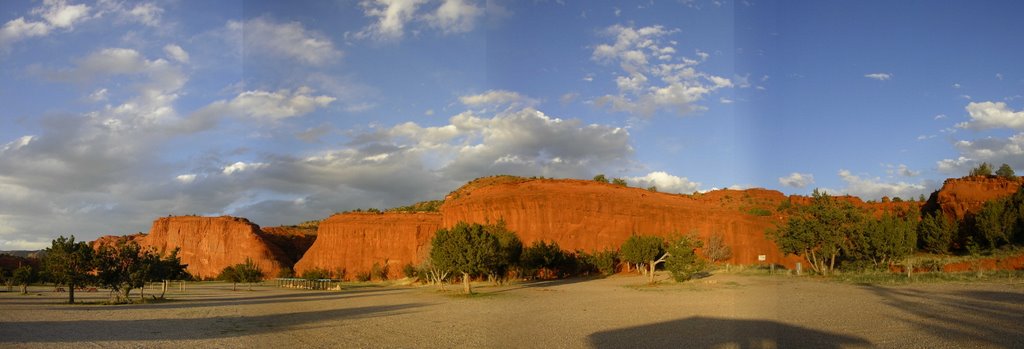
600 178
935 233
602 262
409 271
619 181
316 274
541 255
716 250
379 271
982 170
363 276
761 212
1006 171
286 273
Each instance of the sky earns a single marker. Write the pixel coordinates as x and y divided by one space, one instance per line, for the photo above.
115 113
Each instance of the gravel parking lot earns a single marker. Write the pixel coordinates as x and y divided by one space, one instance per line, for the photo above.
721 311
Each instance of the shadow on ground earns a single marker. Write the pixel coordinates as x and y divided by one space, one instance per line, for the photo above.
705 332
975 316
178 328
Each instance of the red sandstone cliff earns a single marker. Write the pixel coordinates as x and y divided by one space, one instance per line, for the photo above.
354 241
208 244
294 241
594 216
960 196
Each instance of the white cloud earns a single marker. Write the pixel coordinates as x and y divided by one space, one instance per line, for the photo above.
177 53
724 100
270 105
875 188
239 167
186 178
939 117
797 180
992 150
665 182
879 76
99 95
55 14
145 13
671 83
391 16
455 16
289 40
497 98
568 97
988 115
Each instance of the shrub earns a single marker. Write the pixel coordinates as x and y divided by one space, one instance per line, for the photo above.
542 255
363 276
716 250
682 261
466 249
409 271
600 178
379 271
602 262
619 181
316 274
761 212
982 170
1006 171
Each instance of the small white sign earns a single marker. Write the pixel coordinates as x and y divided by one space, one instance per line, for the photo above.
762 258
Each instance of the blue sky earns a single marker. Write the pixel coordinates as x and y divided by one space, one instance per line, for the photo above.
118 112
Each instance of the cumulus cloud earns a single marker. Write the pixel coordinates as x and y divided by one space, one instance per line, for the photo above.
497 98
53 14
455 16
654 77
391 17
242 167
262 36
797 180
989 115
990 149
665 182
879 76
876 188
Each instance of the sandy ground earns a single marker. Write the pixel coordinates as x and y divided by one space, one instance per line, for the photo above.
721 311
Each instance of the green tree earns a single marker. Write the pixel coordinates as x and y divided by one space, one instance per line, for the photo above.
69 263
600 178
818 232
466 249
542 255
935 233
619 181
166 269
982 170
883 241
1006 171
994 225
23 276
510 249
645 251
682 260
123 267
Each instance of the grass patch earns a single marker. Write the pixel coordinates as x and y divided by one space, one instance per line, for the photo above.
885 278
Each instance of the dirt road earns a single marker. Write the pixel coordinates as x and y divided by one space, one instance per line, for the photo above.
722 311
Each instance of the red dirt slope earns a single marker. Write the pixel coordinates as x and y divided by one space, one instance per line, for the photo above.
961 196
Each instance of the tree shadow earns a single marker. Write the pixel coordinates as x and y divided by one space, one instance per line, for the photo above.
705 332
991 317
181 328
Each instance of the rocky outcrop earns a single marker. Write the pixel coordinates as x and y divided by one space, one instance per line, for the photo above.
209 244
592 216
294 241
353 242
960 197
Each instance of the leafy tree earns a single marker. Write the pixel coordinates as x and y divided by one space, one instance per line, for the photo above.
883 241
652 189
619 181
819 232
682 261
603 262
23 276
600 178
1006 171
982 170
644 251
68 263
466 249
994 224
510 249
542 255
716 250
247 272
123 267
166 269
935 233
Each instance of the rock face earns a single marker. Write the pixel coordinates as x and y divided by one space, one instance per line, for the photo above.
962 196
208 244
293 241
593 216
354 241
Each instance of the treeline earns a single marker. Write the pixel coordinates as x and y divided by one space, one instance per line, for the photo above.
121 267
834 235
468 251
